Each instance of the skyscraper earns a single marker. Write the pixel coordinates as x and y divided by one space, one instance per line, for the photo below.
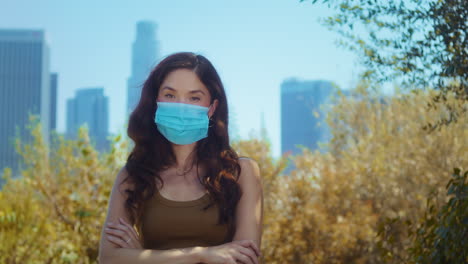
24 89
91 107
302 117
53 101
145 53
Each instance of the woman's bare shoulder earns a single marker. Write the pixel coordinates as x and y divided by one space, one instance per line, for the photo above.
122 182
250 170
247 162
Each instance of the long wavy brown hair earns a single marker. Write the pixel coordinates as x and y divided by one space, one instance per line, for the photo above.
152 152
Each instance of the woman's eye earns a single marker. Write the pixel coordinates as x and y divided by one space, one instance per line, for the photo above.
169 95
195 98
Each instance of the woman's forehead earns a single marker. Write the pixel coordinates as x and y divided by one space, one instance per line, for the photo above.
183 80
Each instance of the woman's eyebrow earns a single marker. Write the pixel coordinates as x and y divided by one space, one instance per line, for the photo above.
197 91
174 90
169 88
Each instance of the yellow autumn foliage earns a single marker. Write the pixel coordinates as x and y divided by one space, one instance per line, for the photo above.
381 164
54 212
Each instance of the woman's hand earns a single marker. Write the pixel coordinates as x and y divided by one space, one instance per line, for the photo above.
241 251
123 235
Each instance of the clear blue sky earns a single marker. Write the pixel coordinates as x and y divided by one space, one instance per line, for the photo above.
254 44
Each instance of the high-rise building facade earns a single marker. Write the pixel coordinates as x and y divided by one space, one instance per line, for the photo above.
53 101
90 107
303 114
24 89
145 53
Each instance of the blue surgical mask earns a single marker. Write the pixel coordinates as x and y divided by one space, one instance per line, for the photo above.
180 123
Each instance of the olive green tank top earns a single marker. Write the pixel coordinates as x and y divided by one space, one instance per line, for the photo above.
168 224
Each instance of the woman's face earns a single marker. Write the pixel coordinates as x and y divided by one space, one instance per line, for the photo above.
183 86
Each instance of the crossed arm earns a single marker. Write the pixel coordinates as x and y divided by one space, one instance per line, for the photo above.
115 246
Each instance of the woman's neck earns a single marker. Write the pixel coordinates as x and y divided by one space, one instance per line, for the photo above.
184 154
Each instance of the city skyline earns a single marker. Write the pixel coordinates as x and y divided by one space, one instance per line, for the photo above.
253 53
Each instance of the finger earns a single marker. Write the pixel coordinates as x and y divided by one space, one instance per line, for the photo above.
123 236
127 231
123 233
130 243
117 241
135 234
116 224
249 243
243 258
117 227
254 246
249 253
116 232
110 223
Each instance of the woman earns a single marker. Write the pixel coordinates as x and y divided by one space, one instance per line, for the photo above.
189 196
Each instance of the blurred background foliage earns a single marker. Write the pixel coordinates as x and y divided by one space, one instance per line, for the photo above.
54 212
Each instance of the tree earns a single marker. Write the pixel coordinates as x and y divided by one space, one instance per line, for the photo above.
329 209
54 212
441 235
423 41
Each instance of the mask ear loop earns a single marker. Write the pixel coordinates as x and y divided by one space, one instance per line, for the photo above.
211 119
211 122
